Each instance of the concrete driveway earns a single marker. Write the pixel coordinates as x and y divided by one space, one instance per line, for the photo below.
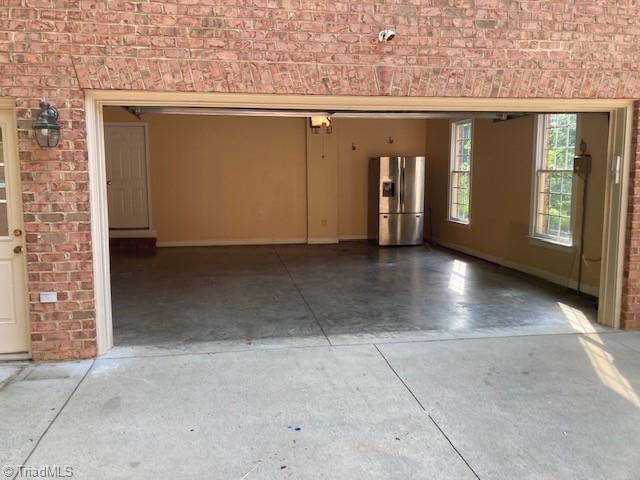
528 407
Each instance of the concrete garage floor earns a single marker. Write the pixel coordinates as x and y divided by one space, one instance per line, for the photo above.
537 407
212 299
279 392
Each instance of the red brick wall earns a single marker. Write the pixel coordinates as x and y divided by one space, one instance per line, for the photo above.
630 318
482 48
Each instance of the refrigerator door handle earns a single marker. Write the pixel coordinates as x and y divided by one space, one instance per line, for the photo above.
402 188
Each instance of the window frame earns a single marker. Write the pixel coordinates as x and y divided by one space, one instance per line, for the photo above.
452 170
538 161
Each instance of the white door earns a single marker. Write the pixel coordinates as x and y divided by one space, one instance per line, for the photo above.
126 165
14 336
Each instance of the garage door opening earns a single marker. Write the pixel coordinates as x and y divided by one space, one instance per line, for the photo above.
239 228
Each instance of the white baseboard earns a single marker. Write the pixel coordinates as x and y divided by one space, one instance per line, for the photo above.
231 242
135 233
536 272
346 238
322 240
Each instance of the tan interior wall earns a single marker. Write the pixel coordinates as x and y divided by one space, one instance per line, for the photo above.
279 198
322 187
358 141
501 196
226 178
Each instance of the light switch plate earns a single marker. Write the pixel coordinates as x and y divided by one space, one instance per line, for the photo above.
48 297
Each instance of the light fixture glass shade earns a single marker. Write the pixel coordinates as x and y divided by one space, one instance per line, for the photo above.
46 126
48 137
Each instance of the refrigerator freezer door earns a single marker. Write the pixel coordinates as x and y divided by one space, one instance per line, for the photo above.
412 194
401 229
390 188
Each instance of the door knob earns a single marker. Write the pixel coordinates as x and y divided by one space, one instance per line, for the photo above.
109 182
17 232
17 249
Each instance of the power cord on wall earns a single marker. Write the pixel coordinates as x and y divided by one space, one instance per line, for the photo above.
582 167
582 229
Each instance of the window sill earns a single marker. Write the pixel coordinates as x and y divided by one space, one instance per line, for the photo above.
459 223
548 243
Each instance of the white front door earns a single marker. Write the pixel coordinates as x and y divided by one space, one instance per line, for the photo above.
14 335
126 165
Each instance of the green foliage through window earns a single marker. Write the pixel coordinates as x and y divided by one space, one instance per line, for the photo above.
555 177
460 192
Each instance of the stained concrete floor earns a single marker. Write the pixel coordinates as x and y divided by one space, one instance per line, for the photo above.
536 407
321 363
219 298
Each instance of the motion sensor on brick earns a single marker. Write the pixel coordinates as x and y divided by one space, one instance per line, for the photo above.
386 35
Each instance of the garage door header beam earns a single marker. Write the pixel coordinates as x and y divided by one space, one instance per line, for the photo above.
264 112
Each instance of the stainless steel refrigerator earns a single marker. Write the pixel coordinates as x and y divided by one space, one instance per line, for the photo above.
396 200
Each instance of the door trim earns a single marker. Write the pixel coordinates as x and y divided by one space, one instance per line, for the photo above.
8 106
151 228
614 232
96 99
99 224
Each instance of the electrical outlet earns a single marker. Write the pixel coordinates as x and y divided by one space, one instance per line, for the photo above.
48 297
323 222
582 164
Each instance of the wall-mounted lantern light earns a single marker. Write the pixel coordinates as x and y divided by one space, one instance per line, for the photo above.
46 125
320 123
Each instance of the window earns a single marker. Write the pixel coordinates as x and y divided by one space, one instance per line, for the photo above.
556 147
460 172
